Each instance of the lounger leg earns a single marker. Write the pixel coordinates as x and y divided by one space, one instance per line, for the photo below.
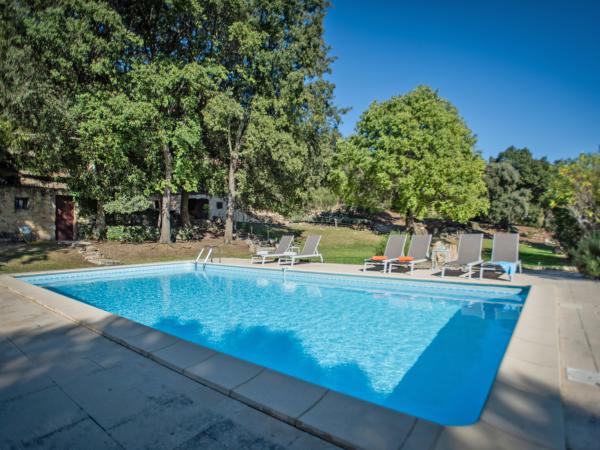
470 269
321 256
364 267
443 271
481 272
412 268
520 266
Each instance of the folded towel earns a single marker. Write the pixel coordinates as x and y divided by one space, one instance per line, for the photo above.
405 258
509 267
379 258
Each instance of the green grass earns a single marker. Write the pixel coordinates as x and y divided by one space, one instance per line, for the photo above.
338 245
534 255
343 245
39 256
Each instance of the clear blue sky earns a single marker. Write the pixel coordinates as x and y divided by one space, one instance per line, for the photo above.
523 73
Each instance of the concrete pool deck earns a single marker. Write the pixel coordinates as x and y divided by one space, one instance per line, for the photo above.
532 404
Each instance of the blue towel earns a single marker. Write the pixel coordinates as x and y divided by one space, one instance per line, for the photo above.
509 267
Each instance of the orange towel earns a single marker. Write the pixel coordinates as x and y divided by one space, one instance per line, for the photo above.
405 258
379 258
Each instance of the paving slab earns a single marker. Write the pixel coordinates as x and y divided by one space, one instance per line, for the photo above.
525 415
35 415
528 351
355 423
279 394
529 377
168 425
181 355
120 329
85 434
481 437
114 398
151 341
582 415
423 435
223 372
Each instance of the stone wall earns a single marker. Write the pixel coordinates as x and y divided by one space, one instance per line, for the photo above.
39 215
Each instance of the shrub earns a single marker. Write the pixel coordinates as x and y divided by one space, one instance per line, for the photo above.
134 233
566 229
193 233
587 255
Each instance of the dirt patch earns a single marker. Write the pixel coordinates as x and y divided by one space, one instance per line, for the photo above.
152 251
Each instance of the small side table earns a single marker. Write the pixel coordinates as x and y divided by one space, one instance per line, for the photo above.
436 253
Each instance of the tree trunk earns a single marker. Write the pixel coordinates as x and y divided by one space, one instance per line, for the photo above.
410 222
100 221
165 212
230 200
184 210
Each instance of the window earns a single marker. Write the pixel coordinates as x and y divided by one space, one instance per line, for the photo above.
219 205
21 203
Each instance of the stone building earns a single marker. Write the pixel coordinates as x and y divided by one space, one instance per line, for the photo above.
36 208
44 210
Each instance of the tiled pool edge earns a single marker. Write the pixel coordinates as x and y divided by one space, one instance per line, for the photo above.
523 409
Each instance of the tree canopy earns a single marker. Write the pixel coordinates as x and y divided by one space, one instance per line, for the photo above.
415 154
156 97
509 203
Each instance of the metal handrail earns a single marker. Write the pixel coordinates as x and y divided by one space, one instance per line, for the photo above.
208 253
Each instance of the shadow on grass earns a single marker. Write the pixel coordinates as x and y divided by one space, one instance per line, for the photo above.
26 253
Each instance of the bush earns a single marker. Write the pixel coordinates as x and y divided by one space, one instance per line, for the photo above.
85 231
587 255
566 229
134 233
193 233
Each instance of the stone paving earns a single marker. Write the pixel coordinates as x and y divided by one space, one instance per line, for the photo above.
579 348
63 386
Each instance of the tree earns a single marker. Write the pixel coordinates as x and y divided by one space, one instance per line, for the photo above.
62 63
577 188
175 94
111 156
415 154
508 202
274 120
534 176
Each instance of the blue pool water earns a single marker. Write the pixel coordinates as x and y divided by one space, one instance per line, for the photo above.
423 348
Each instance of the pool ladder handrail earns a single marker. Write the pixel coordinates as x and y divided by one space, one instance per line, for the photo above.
208 254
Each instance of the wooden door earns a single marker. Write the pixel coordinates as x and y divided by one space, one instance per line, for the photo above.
65 217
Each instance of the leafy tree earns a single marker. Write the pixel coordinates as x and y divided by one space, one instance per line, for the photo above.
508 202
416 154
577 188
175 94
272 125
111 158
534 176
61 63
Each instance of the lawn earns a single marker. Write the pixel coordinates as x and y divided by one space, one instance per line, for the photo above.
534 256
338 245
37 256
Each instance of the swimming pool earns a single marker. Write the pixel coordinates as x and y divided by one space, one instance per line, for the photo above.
428 349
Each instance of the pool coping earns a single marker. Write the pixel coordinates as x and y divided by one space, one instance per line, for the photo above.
523 408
